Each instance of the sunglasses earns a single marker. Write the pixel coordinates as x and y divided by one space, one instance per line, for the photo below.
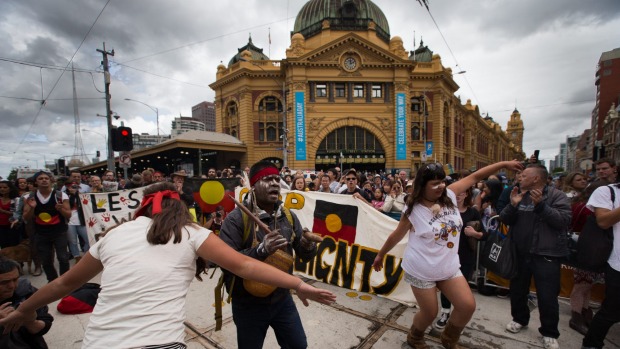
351 179
436 166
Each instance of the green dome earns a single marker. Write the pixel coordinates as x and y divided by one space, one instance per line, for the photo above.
421 54
257 53
347 15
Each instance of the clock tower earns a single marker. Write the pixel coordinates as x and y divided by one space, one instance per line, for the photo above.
515 129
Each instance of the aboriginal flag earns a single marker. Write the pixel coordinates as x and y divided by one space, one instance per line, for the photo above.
211 193
336 220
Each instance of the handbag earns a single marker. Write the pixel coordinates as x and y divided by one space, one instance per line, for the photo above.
595 244
499 255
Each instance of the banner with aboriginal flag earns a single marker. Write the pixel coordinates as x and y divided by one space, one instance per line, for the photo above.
104 210
353 232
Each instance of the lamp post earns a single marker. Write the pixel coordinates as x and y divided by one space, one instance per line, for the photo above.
284 111
155 109
101 134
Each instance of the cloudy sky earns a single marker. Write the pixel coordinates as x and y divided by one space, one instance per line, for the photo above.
538 56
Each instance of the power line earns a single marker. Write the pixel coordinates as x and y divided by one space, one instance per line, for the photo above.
49 99
58 80
45 66
205 40
160 76
545 105
450 49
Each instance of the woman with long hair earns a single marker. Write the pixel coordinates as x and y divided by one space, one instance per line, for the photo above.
574 184
148 264
394 201
470 234
433 223
299 183
491 192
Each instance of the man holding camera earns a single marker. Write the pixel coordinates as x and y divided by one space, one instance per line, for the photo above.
13 291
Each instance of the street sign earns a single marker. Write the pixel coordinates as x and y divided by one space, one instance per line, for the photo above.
124 159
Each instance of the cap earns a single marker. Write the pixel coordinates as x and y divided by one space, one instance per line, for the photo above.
409 183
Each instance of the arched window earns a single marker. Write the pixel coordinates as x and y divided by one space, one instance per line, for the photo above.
231 120
269 121
350 140
415 131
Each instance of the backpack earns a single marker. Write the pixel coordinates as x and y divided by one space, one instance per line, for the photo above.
247 227
595 244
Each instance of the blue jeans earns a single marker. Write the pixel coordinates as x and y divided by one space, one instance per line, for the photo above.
609 313
546 273
253 321
74 243
46 244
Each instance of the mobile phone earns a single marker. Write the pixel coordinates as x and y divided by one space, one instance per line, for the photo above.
536 152
58 196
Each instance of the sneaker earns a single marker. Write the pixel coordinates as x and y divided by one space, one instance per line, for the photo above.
441 323
550 343
514 327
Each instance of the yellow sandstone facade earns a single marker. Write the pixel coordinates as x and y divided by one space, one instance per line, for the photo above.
354 96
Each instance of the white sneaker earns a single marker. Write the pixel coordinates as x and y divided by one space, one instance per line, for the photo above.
514 327
550 343
443 320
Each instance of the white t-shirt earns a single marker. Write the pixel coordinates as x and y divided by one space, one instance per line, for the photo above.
601 198
143 287
432 250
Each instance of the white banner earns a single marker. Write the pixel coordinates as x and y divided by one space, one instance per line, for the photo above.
104 210
353 233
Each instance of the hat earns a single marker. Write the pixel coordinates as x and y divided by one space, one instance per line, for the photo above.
409 183
377 175
136 178
179 173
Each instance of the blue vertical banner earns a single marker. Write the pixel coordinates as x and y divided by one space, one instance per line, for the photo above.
401 133
429 148
300 126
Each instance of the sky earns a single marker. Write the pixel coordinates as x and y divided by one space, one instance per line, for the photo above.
537 56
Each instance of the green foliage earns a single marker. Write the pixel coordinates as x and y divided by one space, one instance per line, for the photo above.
13 175
558 170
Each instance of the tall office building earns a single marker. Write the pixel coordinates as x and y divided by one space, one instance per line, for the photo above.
607 93
183 124
205 113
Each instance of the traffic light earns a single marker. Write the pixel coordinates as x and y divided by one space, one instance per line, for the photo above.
60 167
122 139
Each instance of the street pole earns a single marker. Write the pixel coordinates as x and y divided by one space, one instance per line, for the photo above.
106 77
155 109
285 130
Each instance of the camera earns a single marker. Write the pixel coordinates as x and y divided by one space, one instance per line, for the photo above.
218 215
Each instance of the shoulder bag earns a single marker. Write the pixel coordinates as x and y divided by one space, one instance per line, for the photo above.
595 244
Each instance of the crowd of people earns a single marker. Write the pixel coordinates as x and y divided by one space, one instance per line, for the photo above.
443 217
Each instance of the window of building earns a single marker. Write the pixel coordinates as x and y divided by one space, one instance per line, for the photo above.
321 90
269 120
415 131
358 90
340 90
377 91
230 121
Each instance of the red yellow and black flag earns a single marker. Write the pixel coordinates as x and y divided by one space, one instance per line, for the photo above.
211 193
336 220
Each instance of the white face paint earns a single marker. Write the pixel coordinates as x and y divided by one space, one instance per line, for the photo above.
267 190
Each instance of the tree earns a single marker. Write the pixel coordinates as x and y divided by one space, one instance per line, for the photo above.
558 170
12 175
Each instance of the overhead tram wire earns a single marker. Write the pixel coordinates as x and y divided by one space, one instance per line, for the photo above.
451 53
45 66
159 76
58 80
203 41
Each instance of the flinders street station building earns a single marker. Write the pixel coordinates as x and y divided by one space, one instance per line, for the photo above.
349 92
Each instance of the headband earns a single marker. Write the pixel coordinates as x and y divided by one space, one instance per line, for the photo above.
155 199
267 171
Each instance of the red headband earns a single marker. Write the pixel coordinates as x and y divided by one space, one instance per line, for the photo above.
267 171
155 199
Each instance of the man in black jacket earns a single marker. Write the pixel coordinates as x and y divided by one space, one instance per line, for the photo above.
13 291
538 216
253 314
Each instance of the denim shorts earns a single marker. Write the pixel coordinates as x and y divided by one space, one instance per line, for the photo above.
418 283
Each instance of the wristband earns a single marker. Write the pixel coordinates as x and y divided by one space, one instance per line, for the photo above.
298 287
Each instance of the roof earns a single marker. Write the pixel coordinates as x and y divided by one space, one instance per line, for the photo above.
257 53
613 54
206 136
347 15
421 54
